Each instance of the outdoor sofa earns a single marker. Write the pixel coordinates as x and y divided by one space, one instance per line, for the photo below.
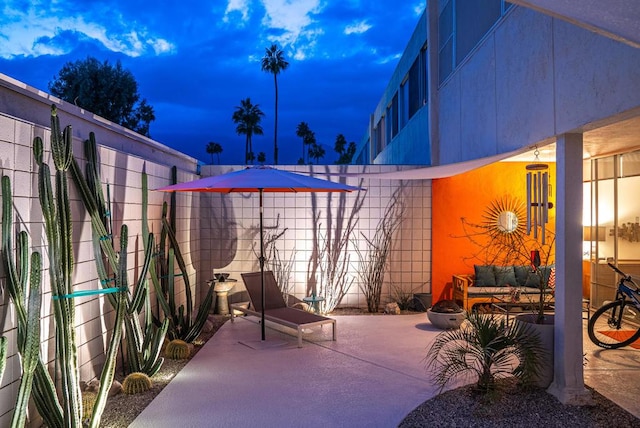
491 284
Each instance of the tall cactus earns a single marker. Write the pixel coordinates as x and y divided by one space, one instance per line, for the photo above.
142 345
162 273
44 392
57 222
163 276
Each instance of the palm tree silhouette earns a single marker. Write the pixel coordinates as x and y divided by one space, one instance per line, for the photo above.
316 152
214 148
247 117
308 138
273 62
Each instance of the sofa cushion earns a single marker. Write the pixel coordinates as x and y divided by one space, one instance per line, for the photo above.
485 276
522 273
534 278
505 276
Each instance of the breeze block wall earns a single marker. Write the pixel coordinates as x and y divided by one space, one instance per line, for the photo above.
123 155
308 221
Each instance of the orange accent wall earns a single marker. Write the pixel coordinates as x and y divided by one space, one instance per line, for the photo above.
468 195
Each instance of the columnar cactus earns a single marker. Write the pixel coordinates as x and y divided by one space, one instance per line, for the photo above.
44 394
163 274
57 222
142 345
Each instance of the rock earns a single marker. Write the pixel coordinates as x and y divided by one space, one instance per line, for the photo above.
116 388
392 308
208 326
91 386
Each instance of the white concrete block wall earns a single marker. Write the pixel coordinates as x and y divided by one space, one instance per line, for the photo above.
234 223
94 315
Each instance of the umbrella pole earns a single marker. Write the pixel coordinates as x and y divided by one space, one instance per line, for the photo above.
262 264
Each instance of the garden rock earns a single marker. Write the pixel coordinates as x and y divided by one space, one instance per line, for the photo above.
392 308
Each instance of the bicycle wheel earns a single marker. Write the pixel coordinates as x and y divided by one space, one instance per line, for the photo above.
615 325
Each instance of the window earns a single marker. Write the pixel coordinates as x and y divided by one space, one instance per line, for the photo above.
473 19
424 89
392 116
403 112
379 137
389 122
363 157
462 24
414 88
445 34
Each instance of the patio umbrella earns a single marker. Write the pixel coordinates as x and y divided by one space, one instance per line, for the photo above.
260 179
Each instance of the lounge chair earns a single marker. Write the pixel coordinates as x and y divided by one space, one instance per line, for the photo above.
275 308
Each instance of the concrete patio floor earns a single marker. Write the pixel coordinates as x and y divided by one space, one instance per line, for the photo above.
372 376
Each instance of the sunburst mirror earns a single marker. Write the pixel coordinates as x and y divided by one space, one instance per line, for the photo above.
504 218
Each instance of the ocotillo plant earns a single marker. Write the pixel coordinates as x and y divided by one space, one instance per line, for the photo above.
142 345
163 276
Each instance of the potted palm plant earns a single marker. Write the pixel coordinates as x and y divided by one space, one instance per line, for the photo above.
489 348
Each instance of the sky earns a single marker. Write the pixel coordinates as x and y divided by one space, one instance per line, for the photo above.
195 60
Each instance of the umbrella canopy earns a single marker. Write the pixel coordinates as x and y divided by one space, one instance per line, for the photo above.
260 180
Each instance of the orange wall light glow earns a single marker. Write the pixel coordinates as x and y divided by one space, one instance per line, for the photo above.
467 196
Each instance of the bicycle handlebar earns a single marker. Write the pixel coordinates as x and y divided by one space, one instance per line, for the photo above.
616 269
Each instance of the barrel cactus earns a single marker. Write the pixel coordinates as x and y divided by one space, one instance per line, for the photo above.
136 383
89 399
178 350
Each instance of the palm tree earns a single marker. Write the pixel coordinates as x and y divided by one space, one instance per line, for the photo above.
345 151
247 117
273 62
262 158
316 152
340 144
214 148
308 137
301 131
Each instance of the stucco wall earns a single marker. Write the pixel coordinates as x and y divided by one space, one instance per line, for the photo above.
532 78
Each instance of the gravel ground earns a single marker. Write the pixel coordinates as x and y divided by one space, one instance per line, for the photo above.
512 406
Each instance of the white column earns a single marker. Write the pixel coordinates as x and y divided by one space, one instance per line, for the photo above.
568 382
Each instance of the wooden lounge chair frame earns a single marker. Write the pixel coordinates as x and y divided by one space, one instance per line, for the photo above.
275 308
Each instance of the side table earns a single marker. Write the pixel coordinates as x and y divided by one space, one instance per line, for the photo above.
222 289
314 302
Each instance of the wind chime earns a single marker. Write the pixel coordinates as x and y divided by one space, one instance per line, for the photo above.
538 204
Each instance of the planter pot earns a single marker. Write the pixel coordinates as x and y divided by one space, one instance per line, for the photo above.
421 301
446 320
545 331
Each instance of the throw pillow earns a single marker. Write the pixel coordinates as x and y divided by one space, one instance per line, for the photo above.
522 273
485 276
534 278
505 275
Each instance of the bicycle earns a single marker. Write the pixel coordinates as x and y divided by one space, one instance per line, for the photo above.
617 323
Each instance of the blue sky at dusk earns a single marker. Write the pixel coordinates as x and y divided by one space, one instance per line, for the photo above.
195 60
